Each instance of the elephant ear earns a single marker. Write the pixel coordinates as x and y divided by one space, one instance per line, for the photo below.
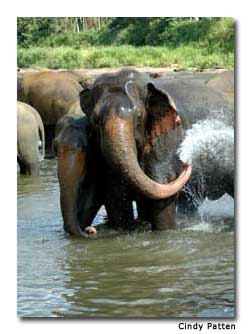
86 101
161 110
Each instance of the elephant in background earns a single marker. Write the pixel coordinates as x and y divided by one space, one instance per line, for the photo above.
224 83
51 93
105 156
213 114
66 123
30 139
80 76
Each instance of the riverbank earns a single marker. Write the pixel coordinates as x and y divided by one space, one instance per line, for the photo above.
89 75
153 71
179 58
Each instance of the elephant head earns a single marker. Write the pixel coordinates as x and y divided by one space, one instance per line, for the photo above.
127 113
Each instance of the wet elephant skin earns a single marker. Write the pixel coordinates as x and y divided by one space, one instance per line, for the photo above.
196 102
126 115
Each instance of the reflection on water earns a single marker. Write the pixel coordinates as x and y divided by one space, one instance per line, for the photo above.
184 273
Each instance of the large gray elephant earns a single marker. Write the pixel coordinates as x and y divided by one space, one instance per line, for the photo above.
208 116
30 139
51 93
105 156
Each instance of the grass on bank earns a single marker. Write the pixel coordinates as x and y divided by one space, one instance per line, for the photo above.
183 57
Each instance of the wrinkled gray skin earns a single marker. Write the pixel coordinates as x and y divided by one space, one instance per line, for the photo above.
106 156
195 102
30 139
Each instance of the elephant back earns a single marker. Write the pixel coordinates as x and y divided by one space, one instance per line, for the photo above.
50 93
224 83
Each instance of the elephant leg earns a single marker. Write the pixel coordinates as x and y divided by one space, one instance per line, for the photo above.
118 204
161 214
230 191
28 168
229 185
33 169
142 214
22 166
71 173
49 136
164 217
89 202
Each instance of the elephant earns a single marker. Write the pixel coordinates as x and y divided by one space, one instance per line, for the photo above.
104 156
83 78
51 93
75 112
224 83
30 139
208 117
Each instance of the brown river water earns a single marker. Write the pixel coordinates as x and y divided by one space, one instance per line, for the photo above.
188 272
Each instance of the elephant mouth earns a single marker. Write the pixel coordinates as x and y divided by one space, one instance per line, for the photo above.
119 149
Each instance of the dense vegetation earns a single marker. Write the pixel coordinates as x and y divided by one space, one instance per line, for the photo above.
110 42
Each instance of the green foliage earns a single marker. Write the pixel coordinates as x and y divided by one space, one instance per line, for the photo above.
33 30
126 30
41 57
114 56
138 31
122 41
213 34
221 35
72 39
184 32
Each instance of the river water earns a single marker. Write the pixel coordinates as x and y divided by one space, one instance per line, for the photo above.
188 272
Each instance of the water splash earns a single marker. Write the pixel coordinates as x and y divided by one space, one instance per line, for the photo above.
209 141
209 147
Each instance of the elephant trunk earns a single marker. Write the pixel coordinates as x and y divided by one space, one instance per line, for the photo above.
119 148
